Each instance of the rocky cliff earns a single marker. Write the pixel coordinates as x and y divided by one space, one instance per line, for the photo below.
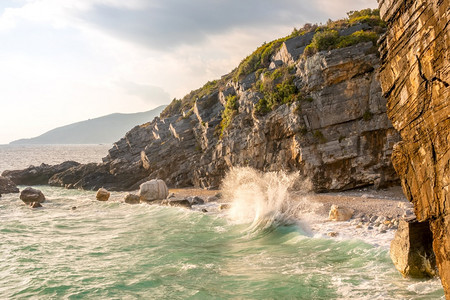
310 102
415 76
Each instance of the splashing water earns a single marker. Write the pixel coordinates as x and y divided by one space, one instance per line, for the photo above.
261 199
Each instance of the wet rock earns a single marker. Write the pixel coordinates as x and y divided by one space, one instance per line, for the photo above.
132 199
340 213
38 175
152 190
224 206
196 200
7 186
35 205
212 199
30 195
102 194
332 234
176 203
412 251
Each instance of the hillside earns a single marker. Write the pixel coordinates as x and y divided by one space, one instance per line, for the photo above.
102 130
310 102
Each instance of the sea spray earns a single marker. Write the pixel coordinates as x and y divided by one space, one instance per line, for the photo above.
261 199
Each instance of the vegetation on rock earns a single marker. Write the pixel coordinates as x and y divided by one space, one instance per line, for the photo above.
230 110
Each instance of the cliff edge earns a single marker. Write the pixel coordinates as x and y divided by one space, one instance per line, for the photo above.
415 77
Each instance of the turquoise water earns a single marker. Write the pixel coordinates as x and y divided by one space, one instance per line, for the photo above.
111 250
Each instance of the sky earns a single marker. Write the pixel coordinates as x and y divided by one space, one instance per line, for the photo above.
64 61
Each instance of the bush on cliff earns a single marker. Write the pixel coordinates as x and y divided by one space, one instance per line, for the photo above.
231 108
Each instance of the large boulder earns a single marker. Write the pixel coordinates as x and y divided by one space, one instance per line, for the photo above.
102 194
338 213
412 249
7 186
38 175
30 195
155 189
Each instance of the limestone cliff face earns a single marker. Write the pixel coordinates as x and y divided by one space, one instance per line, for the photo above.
415 77
338 135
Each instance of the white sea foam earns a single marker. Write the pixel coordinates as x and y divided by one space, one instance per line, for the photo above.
261 199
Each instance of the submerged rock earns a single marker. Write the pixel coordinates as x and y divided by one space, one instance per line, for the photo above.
338 213
132 199
102 194
30 195
7 186
152 190
412 250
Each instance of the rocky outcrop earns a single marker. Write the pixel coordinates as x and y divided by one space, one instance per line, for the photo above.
7 186
415 76
340 137
412 251
37 175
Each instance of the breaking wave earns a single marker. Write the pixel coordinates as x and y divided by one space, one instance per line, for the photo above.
261 199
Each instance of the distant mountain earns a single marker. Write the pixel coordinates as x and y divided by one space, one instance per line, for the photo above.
102 130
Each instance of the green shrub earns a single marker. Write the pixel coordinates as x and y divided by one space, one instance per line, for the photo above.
325 40
173 108
356 38
228 113
284 92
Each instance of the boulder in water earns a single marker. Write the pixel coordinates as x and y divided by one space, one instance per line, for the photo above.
132 199
177 203
155 189
412 249
340 213
196 200
102 194
30 195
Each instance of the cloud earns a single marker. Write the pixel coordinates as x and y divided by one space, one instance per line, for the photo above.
166 25
147 93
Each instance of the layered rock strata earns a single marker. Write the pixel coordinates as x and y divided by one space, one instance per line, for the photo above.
340 137
415 77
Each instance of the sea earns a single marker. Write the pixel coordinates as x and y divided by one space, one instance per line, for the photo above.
78 248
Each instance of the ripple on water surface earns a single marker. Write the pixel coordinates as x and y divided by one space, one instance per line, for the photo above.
113 250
